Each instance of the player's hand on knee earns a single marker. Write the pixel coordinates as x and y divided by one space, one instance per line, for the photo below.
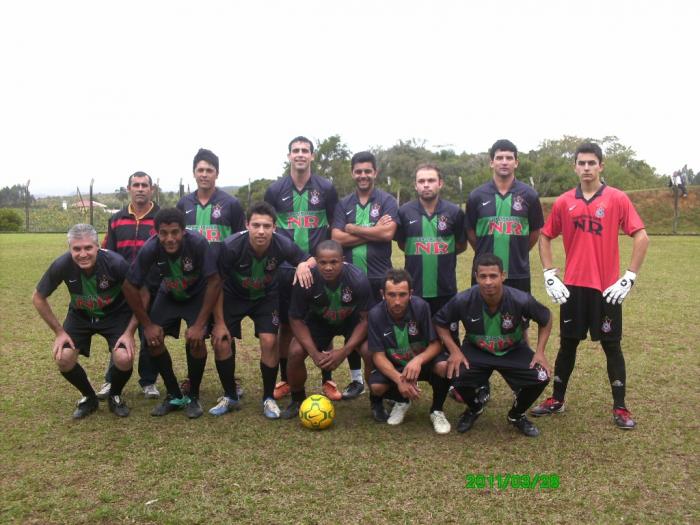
153 334
220 334
454 363
63 340
126 344
556 289
616 293
411 371
409 390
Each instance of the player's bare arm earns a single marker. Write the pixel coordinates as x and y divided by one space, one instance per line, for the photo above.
456 358
412 369
640 245
347 240
303 336
543 332
195 333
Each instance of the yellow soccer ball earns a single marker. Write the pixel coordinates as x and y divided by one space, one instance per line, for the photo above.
317 412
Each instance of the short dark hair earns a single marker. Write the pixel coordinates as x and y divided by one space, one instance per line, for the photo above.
330 245
396 276
169 216
139 174
428 166
589 147
487 259
503 145
301 138
261 208
207 156
363 156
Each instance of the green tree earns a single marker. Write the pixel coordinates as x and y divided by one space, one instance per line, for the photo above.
257 192
10 221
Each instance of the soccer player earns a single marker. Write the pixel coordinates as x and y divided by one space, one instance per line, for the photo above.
127 231
494 316
336 304
406 350
190 285
304 203
365 223
248 263
94 279
588 218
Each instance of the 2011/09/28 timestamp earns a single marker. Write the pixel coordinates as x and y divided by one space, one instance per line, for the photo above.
512 481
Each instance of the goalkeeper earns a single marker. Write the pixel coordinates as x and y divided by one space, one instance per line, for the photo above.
588 218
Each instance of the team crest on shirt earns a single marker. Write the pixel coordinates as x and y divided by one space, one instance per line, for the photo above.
216 211
541 373
271 264
442 223
347 295
374 210
275 318
453 326
187 264
507 322
518 203
600 212
314 197
607 325
412 328
104 283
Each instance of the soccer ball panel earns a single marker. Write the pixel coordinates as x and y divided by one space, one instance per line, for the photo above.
317 412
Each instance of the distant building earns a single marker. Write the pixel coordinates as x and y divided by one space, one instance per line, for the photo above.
85 204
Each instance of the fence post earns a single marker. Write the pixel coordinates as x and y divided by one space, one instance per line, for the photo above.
26 207
92 222
675 208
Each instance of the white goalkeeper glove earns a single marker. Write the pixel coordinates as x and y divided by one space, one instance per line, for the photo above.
555 288
616 293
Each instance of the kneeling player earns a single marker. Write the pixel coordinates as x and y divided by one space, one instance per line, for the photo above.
494 317
189 288
248 262
336 304
94 279
405 350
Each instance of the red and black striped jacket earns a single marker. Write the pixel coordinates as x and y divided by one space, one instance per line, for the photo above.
126 234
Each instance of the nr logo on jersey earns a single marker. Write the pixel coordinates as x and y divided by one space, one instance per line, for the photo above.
430 247
506 226
588 224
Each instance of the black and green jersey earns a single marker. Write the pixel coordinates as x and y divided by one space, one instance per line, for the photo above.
332 304
373 258
303 216
498 332
248 277
400 341
431 246
502 224
184 274
94 295
219 218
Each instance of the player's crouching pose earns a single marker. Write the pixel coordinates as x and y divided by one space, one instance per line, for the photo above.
94 279
189 288
405 350
248 262
494 318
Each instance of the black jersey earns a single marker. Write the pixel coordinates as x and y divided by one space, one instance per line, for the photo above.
184 274
497 333
95 295
251 278
373 258
401 341
431 246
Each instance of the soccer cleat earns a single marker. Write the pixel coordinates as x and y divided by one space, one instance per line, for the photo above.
623 419
330 390
440 423
270 409
185 387
353 390
224 405
150 392
548 406
525 426
239 387
85 407
170 404
291 411
193 409
467 419
379 413
117 406
483 394
103 392
398 413
281 390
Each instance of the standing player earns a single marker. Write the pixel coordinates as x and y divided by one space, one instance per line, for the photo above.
127 231
494 318
248 262
336 304
588 218
190 285
405 350
304 203
94 279
365 224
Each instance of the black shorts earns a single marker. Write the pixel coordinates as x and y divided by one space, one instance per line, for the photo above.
285 277
375 285
520 284
323 333
81 328
167 313
264 313
513 366
435 304
426 371
585 310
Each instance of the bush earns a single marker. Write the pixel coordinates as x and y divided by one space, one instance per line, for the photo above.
10 221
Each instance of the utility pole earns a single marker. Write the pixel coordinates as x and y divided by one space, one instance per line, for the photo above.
92 222
26 207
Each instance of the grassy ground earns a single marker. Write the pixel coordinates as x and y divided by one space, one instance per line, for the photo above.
243 468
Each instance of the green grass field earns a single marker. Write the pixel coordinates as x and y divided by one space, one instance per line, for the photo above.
243 468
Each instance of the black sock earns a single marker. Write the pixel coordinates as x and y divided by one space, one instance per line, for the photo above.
440 387
375 400
225 368
468 395
394 395
525 398
77 377
269 374
164 365
355 360
119 379
283 369
299 396
195 371
617 373
563 366
326 376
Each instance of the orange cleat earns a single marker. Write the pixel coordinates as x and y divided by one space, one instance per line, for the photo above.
281 390
330 390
